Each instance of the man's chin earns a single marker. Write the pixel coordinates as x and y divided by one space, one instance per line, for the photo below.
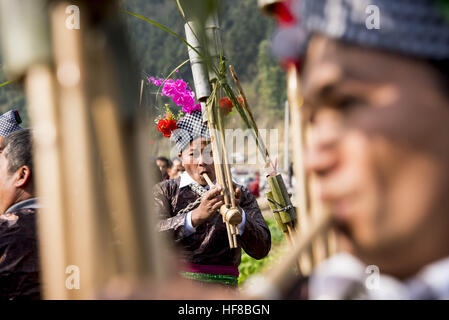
200 179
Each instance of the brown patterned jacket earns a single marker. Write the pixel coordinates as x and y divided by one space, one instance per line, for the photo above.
19 264
209 245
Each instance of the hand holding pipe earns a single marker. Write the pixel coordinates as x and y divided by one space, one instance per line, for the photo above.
231 215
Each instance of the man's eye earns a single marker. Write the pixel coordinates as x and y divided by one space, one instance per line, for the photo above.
348 103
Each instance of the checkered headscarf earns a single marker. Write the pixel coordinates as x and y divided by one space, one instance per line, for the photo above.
190 127
9 122
412 27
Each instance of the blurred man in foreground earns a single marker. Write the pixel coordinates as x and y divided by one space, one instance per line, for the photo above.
19 265
378 105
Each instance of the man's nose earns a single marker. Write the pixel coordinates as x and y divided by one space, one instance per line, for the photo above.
321 154
202 161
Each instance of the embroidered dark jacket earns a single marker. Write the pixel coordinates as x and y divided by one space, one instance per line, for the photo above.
209 245
19 264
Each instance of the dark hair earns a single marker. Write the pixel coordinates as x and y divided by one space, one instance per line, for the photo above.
168 162
18 150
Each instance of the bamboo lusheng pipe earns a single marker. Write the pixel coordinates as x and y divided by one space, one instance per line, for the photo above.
82 204
219 170
224 153
275 282
42 108
276 216
282 208
277 185
208 180
309 203
202 81
103 114
301 189
232 214
282 198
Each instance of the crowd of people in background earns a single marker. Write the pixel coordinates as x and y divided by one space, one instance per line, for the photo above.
170 169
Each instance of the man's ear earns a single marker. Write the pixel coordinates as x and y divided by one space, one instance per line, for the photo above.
180 157
23 176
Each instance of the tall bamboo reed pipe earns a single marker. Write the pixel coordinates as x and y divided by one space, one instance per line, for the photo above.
276 281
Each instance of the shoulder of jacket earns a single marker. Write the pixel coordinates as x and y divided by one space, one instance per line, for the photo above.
168 186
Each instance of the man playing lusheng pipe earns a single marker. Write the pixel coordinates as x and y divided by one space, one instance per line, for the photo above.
200 232
378 105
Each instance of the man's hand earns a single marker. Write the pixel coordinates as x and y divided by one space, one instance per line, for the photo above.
212 201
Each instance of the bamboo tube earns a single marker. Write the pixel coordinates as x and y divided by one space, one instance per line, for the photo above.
122 147
227 170
199 68
234 234
295 103
231 240
281 196
141 93
332 245
276 281
233 215
218 126
208 180
117 184
68 167
219 172
78 154
215 149
156 255
319 247
40 90
277 218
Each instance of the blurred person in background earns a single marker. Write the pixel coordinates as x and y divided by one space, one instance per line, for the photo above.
254 186
377 102
176 168
19 265
9 122
164 164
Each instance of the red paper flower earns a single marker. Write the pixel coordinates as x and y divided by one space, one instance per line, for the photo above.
225 106
166 126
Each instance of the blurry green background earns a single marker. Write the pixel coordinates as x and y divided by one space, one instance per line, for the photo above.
245 35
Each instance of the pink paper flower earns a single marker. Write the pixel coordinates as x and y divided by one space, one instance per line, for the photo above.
182 95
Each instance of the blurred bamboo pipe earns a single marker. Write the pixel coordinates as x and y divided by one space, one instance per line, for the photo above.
295 102
274 283
319 225
40 89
